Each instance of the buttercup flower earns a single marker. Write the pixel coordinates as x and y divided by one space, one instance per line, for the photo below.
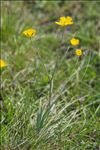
64 21
2 63
78 52
74 41
29 32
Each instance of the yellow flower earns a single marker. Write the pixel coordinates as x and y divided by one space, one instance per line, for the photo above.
74 41
2 63
78 52
29 32
64 21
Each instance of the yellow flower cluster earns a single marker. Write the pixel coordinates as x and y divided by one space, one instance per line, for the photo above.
65 21
75 42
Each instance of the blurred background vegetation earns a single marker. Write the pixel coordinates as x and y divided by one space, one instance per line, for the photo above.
38 113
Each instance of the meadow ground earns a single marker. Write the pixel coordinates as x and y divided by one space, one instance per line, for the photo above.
49 96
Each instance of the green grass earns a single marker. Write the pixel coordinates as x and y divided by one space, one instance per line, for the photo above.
49 97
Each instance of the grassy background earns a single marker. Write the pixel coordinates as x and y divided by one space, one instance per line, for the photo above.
49 97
